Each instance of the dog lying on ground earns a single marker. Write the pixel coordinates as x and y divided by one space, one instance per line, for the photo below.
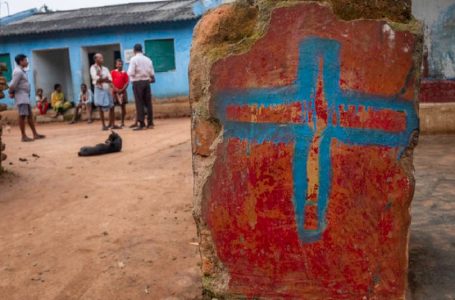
111 145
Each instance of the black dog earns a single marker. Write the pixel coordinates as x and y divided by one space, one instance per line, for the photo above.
113 144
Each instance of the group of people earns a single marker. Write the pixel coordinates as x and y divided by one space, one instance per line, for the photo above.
58 102
110 89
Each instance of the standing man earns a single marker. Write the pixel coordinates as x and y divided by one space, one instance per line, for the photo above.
102 80
142 74
120 81
19 89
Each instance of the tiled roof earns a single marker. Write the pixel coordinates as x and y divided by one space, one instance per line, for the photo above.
102 17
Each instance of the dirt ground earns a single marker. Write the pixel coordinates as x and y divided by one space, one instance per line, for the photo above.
112 227
432 244
120 226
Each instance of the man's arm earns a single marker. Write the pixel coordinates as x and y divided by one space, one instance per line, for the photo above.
127 82
132 67
108 79
114 88
152 72
14 82
94 74
152 69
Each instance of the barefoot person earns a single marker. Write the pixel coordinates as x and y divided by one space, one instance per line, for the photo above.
41 102
102 80
85 104
141 74
19 89
120 81
58 102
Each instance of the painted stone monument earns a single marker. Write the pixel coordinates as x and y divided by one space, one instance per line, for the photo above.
304 124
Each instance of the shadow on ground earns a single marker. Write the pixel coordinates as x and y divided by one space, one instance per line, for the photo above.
432 244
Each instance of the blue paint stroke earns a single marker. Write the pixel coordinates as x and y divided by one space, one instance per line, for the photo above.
312 50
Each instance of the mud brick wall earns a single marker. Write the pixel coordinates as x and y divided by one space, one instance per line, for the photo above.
304 121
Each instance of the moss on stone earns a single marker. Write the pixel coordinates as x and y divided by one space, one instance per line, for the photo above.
394 10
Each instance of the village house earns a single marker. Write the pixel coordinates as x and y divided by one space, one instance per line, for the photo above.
61 44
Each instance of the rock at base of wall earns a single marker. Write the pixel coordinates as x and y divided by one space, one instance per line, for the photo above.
303 130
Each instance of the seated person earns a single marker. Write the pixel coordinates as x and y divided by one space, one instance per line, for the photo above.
58 102
85 104
41 102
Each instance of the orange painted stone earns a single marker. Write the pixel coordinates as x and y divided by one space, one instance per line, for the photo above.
306 193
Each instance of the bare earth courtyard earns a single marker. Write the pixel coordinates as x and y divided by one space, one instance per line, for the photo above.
120 226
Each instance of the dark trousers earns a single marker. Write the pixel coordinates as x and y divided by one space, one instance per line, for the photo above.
143 98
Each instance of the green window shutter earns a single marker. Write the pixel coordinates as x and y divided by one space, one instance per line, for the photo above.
162 53
5 58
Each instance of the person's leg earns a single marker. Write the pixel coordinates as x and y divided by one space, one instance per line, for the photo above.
102 118
76 114
124 99
22 115
57 108
145 100
123 107
148 105
31 123
40 108
112 112
90 110
67 105
22 127
112 117
46 108
138 95
136 103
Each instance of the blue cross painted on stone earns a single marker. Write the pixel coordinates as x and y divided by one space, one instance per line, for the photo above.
313 51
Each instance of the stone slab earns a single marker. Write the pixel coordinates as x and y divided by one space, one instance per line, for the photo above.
304 126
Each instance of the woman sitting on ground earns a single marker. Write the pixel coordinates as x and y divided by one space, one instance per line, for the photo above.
85 104
58 102
41 102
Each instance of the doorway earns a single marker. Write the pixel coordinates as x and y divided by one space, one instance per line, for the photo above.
51 67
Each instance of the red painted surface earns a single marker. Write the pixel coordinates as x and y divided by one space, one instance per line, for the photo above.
249 206
373 62
437 91
291 113
386 119
252 219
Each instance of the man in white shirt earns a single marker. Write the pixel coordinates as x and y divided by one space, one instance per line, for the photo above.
142 74
102 80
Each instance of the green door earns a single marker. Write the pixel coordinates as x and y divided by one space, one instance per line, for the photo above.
5 58
162 54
